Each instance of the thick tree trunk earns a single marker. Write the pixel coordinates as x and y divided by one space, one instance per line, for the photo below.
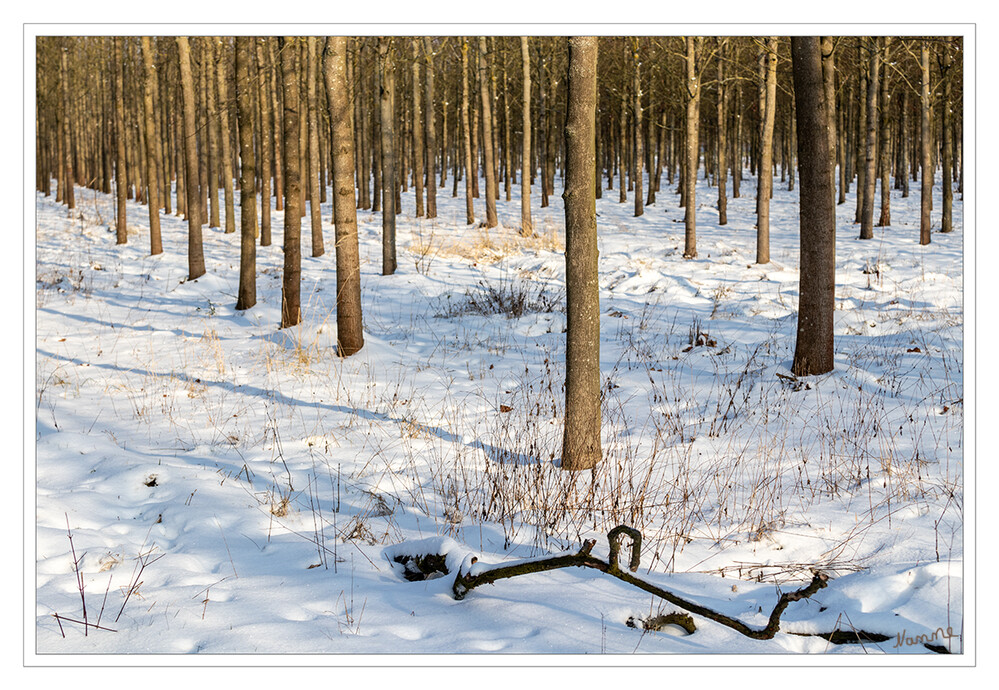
813 350
526 227
387 101
487 135
291 284
768 79
829 89
195 249
247 295
581 437
350 330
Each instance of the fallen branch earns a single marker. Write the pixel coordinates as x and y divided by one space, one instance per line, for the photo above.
469 577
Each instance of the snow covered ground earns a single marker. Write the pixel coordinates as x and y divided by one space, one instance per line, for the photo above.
228 487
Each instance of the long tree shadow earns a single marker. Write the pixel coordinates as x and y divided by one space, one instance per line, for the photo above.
494 453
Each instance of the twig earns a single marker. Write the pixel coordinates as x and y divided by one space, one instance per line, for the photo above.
79 575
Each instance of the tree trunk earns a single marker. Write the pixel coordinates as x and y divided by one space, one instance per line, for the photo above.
693 98
466 135
247 295
884 219
430 133
638 151
224 141
947 152
926 144
768 81
487 135
526 227
120 173
722 141
418 150
350 330
813 350
870 169
195 249
212 123
291 284
268 143
829 88
152 150
69 195
581 437
315 209
387 100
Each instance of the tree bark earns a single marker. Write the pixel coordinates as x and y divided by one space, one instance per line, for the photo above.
268 143
829 88
152 150
387 101
487 135
692 96
195 249
291 284
247 294
69 195
526 226
120 166
581 437
813 351
470 172
926 144
947 148
430 133
884 219
768 76
870 169
418 150
225 140
315 209
350 329
722 130
638 151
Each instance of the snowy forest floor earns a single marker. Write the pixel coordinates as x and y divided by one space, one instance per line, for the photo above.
233 488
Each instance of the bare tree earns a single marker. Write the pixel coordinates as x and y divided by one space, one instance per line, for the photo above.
291 284
387 112
692 97
350 330
430 134
768 97
247 295
926 147
152 150
526 227
120 165
195 249
581 437
813 350
487 135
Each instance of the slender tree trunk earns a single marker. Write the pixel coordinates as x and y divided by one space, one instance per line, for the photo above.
195 249
350 330
902 172
621 148
152 150
526 226
430 134
212 124
291 285
508 170
70 193
247 295
487 135
722 131
418 150
693 98
581 437
226 150
466 135
884 220
120 172
947 149
768 74
268 143
315 209
829 88
926 143
638 151
388 157
814 346
870 169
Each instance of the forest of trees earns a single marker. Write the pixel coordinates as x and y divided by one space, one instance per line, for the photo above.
185 124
